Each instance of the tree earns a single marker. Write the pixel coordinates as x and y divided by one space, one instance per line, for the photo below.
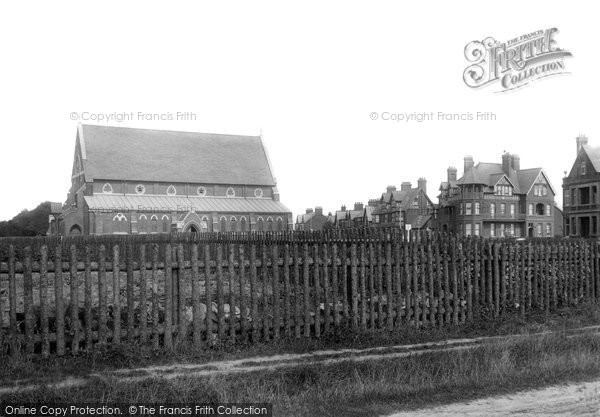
27 223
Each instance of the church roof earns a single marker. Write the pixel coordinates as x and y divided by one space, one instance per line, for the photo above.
119 153
162 203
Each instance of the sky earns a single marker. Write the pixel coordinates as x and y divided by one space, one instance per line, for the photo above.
308 76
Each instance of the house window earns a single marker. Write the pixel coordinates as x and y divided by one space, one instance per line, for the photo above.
477 226
501 229
492 230
539 229
468 229
140 189
230 192
502 208
201 191
165 223
548 229
492 210
548 211
566 198
107 188
171 190
468 209
530 209
512 210
511 229
258 193
582 168
460 209
477 208
539 209
573 225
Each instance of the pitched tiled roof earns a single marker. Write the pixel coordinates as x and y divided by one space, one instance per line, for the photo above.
489 174
118 153
594 155
303 218
120 202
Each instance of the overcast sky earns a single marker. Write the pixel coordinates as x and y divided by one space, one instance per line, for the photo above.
308 75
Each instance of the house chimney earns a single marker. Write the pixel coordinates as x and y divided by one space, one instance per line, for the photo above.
451 174
358 206
516 162
319 210
309 210
423 184
581 140
506 163
344 207
406 186
390 188
468 163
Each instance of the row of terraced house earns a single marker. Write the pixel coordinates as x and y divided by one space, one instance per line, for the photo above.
490 199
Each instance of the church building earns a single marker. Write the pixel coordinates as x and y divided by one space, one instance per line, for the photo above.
140 181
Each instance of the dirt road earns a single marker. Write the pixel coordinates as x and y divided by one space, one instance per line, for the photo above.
582 399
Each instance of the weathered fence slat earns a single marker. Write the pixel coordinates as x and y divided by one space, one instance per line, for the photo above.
155 306
326 291
43 303
196 312
306 276
253 292
298 292
88 298
220 295
143 304
28 301
116 274
232 309
102 295
181 300
363 287
287 318
243 295
12 301
317 290
129 289
276 291
168 337
334 285
264 276
59 307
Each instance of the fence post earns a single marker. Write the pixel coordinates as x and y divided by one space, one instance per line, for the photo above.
398 278
371 286
253 293
220 296
143 304
231 273
430 270
286 290
28 300
197 335
74 300
12 301
243 307
155 335
354 285
43 303
363 288
298 291
462 275
306 272
317 289
88 297
326 289
388 284
276 291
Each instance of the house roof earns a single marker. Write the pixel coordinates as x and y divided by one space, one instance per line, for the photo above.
121 202
594 155
303 218
119 153
489 174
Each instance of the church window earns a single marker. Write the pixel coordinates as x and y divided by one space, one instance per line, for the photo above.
165 223
201 191
233 224
120 223
258 193
260 224
270 224
143 224
140 189
243 224
107 188
154 224
230 192
279 224
223 222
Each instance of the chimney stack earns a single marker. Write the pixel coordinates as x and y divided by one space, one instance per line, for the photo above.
516 162
309 210
319 210
581 140
405 186
452 174
422 184
468 163
344 207
390 188
358 206
506 159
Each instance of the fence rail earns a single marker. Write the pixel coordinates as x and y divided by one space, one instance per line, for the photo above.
63 295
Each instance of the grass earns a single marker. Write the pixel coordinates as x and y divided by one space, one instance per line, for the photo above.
366 388
362 388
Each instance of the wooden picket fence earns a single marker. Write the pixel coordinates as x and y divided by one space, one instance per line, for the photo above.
60 295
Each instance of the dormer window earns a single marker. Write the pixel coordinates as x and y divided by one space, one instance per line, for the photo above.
140 189
171 190
230 192
582 168
107 188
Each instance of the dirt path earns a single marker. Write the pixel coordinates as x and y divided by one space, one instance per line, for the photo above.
263 363
582 399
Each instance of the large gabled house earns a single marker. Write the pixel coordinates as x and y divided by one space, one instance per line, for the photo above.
497 200
581 202
140 181
407 208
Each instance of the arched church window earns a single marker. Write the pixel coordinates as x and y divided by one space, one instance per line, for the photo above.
143 224
204 224
243 224
233 224
154 223
120 223
260 224
223 224
270 224
165 223
279 224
